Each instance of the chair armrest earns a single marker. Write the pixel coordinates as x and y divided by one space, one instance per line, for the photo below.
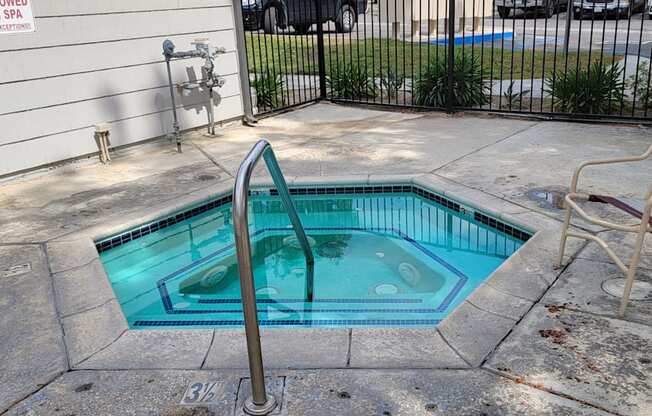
647 212
578 170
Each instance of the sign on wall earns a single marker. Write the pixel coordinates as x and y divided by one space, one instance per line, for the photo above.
16 16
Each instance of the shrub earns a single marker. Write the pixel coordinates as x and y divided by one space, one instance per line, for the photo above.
351 81
640 83
268 89
592 90
392 83
513 98
431 88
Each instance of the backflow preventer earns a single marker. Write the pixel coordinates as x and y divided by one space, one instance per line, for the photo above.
209 80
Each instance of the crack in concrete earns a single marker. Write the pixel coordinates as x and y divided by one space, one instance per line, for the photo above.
348 351
55 304
453 348
520 320
479 149
33 392
211 158
88 309
100 350
519 380
604 315
488 311
488 283
208 351
75 267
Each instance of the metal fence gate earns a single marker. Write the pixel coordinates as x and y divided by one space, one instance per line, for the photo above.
559 58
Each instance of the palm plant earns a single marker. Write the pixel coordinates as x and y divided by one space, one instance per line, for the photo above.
351 81
268 88
392 83
468 87
512 97
591 90
639 85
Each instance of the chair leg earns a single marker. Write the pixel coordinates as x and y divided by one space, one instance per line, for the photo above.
564 236
631 272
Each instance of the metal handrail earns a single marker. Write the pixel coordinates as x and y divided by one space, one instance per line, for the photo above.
260 403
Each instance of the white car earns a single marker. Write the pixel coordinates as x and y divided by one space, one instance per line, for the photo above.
618 8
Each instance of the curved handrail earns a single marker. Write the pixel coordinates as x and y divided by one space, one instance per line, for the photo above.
259 403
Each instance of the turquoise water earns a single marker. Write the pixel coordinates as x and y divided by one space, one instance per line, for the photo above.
380 260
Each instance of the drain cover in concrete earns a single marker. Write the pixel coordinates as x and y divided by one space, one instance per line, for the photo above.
16 270
549 198
640 290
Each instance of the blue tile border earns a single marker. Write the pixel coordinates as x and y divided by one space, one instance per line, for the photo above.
316 310
289 322
115 241
301 300
143 230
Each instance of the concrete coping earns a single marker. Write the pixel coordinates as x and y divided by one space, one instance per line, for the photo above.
97 335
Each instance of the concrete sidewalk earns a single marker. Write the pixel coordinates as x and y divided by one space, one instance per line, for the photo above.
595 363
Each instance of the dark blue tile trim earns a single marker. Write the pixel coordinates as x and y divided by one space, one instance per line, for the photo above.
290 322
301 300
314 310
169 308
111 242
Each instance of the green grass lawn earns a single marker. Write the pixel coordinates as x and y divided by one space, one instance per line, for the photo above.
289 54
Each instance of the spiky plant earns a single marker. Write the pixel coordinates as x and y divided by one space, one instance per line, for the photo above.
469 89
268 88
392 83
351 81
640 88
592 90
512 97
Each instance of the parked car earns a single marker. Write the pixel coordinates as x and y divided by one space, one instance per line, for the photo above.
619 8
547 7
271 15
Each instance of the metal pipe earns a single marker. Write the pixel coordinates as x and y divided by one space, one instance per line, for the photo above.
210 112
175 123
260 403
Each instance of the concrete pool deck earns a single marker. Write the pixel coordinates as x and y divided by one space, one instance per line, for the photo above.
568 354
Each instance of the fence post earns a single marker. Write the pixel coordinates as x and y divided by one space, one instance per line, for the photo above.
569 17
451 54
320 51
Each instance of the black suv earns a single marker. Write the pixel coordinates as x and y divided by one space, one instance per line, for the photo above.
270 15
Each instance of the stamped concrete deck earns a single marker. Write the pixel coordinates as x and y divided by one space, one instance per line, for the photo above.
568 354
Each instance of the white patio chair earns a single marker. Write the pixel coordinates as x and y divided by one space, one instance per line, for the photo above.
640 228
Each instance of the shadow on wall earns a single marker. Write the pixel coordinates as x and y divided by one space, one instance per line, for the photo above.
192 104
147 113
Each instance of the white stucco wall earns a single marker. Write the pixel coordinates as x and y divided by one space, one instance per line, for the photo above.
93 61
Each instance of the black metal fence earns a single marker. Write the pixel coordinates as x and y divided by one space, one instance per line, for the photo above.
560 58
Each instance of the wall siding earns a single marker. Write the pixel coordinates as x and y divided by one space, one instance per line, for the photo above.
91 62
